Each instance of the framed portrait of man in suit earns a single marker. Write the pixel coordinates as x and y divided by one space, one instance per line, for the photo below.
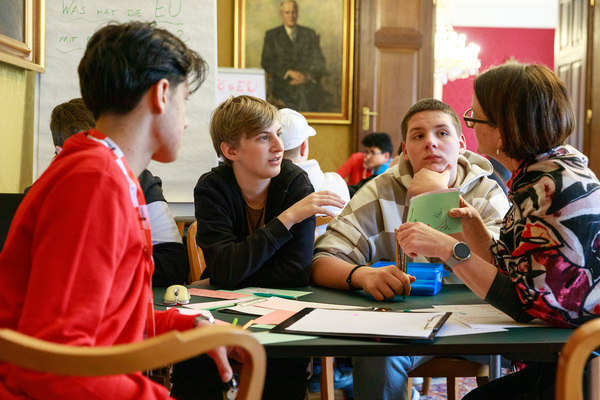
306 49
22 33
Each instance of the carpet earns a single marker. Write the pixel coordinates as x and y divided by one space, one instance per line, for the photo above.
437 390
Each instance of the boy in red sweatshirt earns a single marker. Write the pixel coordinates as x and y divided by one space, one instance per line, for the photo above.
77 265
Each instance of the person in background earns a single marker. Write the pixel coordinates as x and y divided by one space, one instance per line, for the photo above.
352 170
545 262
77 266
434 157
256 227
378 152
67 119
170 259
295 132
378 155
372 161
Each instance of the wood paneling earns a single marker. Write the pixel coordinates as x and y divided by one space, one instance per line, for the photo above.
395 67
570 61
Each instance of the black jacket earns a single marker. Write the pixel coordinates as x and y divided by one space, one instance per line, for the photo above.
270 257
171 264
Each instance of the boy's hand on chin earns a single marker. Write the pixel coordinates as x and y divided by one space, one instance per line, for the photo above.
427 180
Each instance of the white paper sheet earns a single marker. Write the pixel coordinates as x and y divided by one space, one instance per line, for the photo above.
374 323
70 25
276 303
485 316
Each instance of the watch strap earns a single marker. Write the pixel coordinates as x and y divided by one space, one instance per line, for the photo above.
349 278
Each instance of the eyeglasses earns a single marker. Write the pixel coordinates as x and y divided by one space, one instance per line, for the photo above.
470 121
372 153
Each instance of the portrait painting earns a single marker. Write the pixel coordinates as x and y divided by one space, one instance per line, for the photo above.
306 50
12 20
22 33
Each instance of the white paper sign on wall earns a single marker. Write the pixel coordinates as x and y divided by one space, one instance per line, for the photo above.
238 81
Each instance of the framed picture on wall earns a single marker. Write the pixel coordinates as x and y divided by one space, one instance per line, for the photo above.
306 49
22 33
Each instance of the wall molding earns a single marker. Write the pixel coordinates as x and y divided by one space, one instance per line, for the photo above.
501 14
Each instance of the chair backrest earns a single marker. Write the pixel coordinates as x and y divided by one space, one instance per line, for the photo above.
174 346
180 227
195 255
572 360
323 219
9 202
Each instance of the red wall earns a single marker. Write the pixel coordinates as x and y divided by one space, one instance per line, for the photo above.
497 46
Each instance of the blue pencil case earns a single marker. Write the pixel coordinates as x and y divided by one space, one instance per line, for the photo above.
429 277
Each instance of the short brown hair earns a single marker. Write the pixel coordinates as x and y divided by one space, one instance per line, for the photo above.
430 105
237 117
70 118
528 104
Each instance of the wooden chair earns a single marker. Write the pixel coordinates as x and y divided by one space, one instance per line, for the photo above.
450 368
180 227
195 255
39 355
573 358
323 219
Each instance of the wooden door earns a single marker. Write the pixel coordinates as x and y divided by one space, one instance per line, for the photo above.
571 62
395 62
593 89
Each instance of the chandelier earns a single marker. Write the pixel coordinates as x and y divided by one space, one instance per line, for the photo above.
454 59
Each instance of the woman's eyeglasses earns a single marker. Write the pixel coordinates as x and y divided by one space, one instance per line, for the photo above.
470 121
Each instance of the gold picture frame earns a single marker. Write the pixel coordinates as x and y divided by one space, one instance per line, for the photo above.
325 30
22 39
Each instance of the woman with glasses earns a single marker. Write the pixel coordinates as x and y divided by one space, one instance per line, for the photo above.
546 262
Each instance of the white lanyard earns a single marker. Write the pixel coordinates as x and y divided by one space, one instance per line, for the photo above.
139 204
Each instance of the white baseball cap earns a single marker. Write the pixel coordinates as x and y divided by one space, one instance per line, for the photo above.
294 128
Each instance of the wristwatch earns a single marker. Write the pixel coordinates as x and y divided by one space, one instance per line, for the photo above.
460 252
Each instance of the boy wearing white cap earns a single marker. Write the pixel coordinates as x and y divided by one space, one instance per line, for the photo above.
295 132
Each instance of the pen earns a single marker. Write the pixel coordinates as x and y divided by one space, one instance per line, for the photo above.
219 307
247 324
400 260
283 296
234 323
239 303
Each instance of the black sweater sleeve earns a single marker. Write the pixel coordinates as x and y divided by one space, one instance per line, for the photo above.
171 264
503 295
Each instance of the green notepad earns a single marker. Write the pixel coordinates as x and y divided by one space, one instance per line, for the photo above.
432 209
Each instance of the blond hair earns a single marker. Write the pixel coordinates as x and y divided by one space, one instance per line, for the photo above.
237 117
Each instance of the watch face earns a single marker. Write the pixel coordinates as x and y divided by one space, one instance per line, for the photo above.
462 251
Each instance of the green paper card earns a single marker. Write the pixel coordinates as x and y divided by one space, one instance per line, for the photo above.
432 209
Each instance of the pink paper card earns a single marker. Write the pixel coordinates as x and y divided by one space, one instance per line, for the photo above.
216 294
206 313
274 318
